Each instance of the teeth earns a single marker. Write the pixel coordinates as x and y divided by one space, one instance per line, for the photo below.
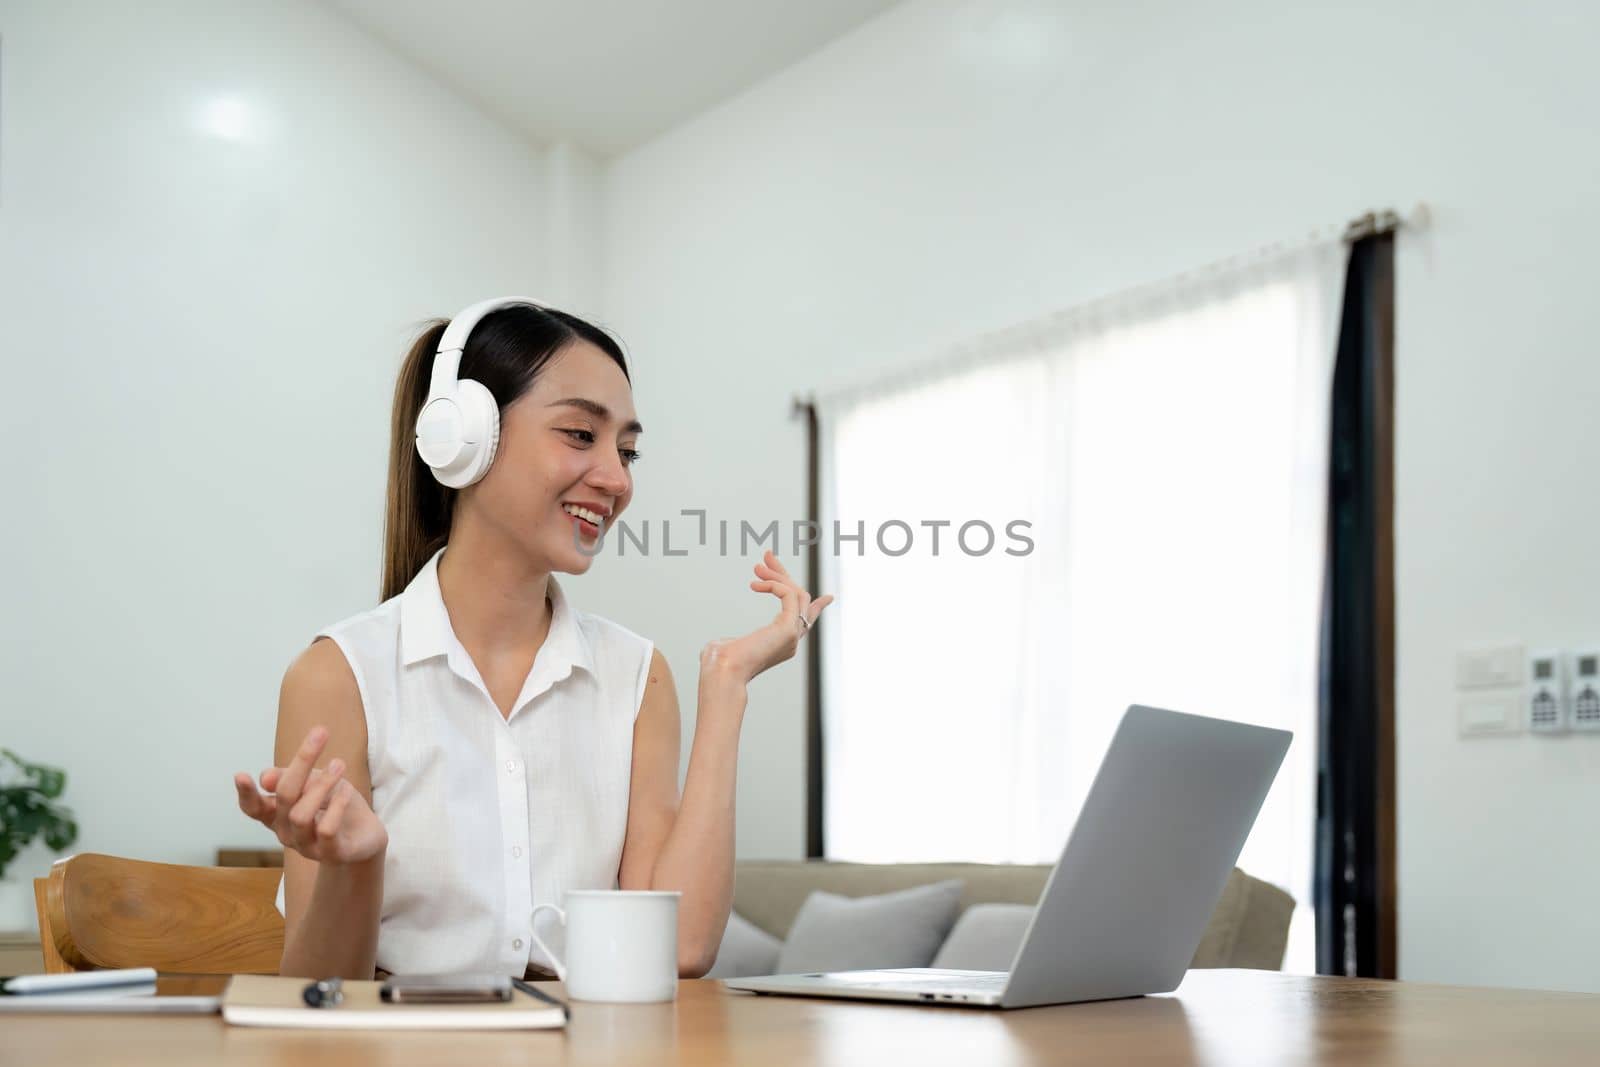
583 513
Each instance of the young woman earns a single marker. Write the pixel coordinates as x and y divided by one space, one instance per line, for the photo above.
475 745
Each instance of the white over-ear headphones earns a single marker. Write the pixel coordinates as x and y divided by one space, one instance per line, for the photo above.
458 428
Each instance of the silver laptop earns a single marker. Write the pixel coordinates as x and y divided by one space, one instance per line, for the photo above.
1129 899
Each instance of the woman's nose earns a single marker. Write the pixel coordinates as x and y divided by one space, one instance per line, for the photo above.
611 477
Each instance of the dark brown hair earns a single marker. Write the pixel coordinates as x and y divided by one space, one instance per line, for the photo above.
505 352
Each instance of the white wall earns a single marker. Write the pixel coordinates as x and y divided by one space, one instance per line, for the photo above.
200 337
212 327
959 165
572 219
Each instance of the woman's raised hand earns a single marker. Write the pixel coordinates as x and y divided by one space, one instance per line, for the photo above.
748 656
317 813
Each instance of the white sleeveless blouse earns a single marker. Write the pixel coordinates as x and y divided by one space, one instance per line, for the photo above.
489 816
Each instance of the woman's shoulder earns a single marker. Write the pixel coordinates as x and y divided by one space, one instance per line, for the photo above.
604 633
342 657
320 677
621 659
617 650
378 623
363 645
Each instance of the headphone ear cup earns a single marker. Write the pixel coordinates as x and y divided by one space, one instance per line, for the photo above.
480 428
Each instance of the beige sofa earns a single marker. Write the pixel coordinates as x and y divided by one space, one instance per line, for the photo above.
1249 927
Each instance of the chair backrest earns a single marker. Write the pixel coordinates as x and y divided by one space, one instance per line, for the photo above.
106 911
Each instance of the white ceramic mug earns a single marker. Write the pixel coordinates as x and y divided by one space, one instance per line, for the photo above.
622 944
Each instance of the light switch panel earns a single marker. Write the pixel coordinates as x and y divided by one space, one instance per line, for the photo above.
1490 667
1489 715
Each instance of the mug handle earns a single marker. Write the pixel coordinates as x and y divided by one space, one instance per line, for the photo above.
533 925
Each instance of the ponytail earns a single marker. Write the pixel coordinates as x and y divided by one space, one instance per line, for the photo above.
417 517
505 353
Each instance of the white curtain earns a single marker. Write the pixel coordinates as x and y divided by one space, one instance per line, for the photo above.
1169 449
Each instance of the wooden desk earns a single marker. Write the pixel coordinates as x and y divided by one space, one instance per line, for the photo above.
1217 1017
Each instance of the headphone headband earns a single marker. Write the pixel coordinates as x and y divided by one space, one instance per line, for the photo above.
447 360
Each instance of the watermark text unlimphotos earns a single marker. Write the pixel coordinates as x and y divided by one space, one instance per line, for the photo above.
891 537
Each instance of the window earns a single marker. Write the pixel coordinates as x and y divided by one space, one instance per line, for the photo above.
1168 455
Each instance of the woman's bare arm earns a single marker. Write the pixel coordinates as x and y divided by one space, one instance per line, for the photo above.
689 847
319 802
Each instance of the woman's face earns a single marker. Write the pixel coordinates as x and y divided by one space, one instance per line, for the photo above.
565 445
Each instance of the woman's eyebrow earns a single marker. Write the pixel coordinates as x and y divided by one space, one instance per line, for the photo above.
598 410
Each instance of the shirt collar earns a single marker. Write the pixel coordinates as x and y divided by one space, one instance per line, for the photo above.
425 632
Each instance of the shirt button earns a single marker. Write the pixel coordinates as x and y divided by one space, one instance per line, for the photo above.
511 766
517 943
516 850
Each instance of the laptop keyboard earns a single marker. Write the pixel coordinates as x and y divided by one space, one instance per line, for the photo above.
976 983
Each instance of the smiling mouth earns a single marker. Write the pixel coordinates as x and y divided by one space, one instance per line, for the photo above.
589 523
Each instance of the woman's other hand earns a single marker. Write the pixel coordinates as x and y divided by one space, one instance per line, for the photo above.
318 813
741 659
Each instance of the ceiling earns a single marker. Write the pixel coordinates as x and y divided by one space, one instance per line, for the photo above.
604 74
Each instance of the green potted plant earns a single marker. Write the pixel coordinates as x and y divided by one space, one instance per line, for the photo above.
28 792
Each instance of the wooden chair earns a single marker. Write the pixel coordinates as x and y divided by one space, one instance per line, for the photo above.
98 912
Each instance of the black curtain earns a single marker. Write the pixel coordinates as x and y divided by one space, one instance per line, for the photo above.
815 844
1354 862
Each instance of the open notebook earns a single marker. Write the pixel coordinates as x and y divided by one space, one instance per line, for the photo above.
264 1000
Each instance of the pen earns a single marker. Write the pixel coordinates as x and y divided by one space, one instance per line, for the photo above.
539 994
327 993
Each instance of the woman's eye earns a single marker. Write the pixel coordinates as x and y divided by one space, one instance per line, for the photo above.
629 455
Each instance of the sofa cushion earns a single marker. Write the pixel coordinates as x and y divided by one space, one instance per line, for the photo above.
769 892
904 929
1249 926
746 950
986 938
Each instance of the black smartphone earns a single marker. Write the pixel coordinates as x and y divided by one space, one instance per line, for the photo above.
444 988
